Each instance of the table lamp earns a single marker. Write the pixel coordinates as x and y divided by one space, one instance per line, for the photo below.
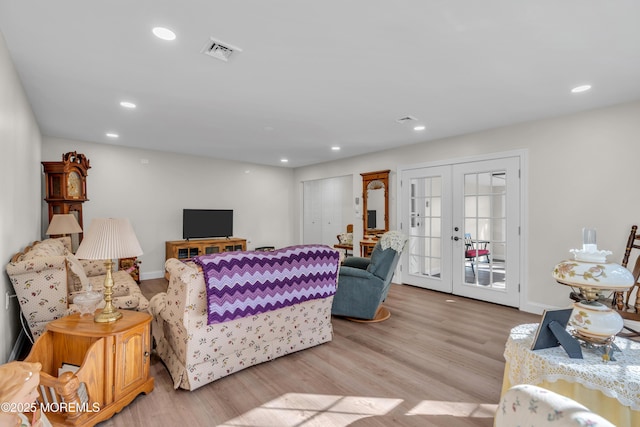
592 274
63 224
107 239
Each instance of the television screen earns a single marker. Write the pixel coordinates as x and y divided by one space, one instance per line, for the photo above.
206 223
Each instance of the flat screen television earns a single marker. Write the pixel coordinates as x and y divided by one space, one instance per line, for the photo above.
206 223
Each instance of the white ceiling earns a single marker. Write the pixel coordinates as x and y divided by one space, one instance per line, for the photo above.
315 74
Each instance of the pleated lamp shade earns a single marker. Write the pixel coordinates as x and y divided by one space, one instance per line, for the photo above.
109 238
63 224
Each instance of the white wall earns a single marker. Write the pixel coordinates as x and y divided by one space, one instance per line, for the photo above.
582 171
153 194
20 191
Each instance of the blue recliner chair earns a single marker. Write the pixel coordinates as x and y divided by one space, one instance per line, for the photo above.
363 283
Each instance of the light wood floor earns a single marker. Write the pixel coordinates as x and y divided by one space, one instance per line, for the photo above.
438 361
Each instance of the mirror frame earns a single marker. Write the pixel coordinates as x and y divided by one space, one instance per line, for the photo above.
366 180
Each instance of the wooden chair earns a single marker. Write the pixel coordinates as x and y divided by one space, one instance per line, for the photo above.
345 241
628 303
472 251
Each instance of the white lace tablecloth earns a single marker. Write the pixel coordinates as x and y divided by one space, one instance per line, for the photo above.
619 379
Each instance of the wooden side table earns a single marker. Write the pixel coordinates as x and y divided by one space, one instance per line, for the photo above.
366 247
113 362
608 389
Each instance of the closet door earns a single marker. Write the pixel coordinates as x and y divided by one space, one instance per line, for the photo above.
312 212
331 211
327 209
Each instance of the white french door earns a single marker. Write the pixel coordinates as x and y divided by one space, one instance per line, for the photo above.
426 195
463 223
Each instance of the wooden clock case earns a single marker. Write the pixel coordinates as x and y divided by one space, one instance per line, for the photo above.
66 185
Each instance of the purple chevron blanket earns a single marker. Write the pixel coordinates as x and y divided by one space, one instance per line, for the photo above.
242 284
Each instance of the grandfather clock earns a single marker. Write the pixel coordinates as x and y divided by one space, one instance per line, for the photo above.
66 185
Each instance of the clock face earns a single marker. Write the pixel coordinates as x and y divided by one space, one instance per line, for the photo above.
74 185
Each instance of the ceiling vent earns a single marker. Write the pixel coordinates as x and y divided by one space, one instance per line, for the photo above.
219 50
406 119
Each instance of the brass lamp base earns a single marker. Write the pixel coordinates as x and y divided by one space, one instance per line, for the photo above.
103 317
109 313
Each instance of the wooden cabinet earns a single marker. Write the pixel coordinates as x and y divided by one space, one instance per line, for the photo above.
186 249
113 360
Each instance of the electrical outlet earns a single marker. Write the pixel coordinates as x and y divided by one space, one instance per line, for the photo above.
7 298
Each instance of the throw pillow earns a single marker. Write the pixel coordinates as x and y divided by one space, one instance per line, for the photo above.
94 267
345 238
77 279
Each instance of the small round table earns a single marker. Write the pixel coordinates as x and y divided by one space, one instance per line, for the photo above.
610 389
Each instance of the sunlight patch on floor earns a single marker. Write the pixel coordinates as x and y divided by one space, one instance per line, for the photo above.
311 410
456 409
297 409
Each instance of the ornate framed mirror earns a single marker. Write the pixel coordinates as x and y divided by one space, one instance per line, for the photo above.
375 202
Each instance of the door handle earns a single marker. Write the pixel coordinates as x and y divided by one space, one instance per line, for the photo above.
456 238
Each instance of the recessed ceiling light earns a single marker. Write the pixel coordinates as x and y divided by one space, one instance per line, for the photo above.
582 88
335 148
127 104
284 160
419 127
164 33
112 135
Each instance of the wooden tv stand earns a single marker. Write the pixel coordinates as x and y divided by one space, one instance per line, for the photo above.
184 250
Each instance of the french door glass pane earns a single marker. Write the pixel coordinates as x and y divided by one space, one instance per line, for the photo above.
425 244
485 229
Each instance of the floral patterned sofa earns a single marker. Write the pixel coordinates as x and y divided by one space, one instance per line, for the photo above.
201 336
47 276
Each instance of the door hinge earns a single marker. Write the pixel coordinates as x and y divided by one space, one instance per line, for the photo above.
114 349
518 287
519 173
518 230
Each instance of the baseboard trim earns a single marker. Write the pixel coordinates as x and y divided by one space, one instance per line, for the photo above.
152 275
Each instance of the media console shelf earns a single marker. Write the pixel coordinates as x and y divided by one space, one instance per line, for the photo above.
184 250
